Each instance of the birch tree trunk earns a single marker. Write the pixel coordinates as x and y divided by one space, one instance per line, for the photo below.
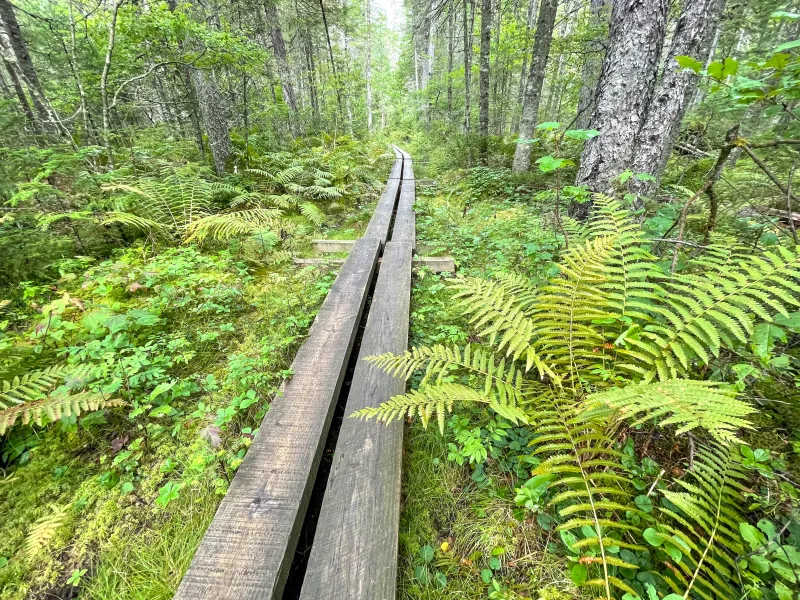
693 34
624 94
112 34
533 87
590 71
484 79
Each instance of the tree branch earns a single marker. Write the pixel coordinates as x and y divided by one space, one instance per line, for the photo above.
148 72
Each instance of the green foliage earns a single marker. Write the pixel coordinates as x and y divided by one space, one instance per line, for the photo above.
599 347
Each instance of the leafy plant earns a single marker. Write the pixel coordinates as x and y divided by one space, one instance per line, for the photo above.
611 342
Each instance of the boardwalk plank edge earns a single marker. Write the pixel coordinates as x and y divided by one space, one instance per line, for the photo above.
248 548
354 554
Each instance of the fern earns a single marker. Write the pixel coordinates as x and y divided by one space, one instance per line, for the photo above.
53 408
706 518
579 451
31 386
687 403
612 340
230 224
43 531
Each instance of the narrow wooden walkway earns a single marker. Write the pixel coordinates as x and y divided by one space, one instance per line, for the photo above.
248 549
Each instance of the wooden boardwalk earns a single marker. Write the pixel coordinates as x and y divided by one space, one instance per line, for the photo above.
248 549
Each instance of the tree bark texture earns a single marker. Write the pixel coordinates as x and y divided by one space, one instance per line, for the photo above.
693 34
590 70
214 117
624 94
535 80
467 63
23 57
279 49
483 80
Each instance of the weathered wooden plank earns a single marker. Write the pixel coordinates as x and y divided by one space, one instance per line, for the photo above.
354 554
405 219
248 548
332 245
437 264
381 220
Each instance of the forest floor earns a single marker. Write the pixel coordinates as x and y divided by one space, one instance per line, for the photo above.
458 536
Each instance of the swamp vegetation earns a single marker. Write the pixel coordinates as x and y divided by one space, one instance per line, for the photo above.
602 401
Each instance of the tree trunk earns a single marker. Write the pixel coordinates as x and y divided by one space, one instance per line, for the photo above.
450 51
368 66
214 117
330 55
531 21
23 57
533 87
590 71
467 63
624 94
312 77
695 28
112 33
279 49
21 97
484 78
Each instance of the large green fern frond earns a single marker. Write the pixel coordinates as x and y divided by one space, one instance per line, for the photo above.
705 515
565 334
143 224
687 403
428 401
31 386
53 408
579 451
504 387
701 313
224 226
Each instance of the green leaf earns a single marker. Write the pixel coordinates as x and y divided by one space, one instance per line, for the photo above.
791 322
643 503
782 14
3 562
787 46
752 536
578 574
581 134
495 564
624 176
548 163
722 69
687 62
426 553
421 574
760 564
127 487
653 537
784 593
764 337
548 126
486 575
441 579
783 569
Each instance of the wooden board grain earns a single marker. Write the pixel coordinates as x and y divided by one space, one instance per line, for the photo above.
354 554
381 220
248 548
405 221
